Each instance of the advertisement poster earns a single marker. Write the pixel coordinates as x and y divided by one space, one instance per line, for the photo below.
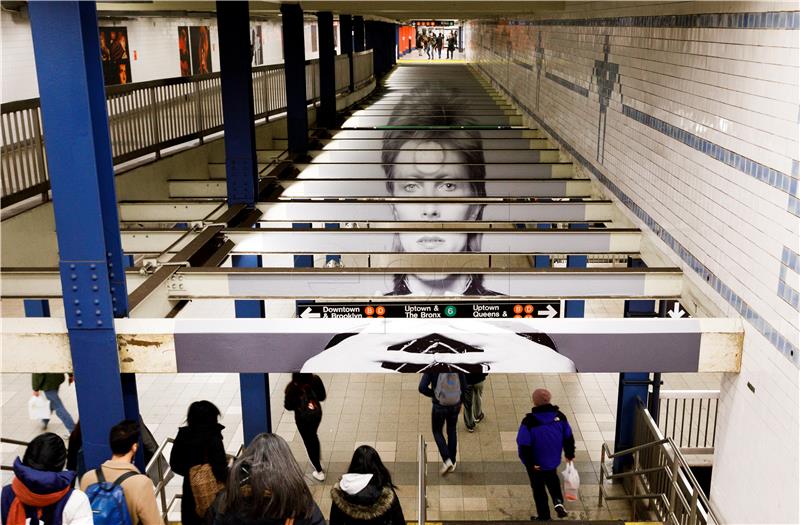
200 39
183 51
257 45
115 55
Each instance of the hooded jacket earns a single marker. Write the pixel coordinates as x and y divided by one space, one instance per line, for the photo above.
72 509
542 435
357 499
242 518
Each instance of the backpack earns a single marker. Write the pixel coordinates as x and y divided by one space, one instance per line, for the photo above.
448 389
108 500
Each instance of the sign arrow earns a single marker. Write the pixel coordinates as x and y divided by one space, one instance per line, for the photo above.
548 312
676 312
307 313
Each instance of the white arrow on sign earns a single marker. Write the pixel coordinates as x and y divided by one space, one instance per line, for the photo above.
307 313
548 312
676 312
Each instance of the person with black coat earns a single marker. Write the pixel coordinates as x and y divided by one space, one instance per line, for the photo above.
198 443
304 395
366 494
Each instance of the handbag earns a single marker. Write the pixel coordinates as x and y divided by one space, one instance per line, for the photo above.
39 407
205 487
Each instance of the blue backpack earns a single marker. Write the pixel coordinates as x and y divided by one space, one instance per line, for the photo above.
108 500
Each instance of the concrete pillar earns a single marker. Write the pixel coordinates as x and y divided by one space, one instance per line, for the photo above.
346 42
358 34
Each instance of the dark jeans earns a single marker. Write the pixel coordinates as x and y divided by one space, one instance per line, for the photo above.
543 481
441 415
308 431
473 409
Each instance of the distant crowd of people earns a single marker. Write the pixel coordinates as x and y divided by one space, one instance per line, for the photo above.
264 485
432 44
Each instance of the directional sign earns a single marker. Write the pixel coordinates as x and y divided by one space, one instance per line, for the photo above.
419 310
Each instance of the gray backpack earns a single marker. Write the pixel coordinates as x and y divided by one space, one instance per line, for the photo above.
448 389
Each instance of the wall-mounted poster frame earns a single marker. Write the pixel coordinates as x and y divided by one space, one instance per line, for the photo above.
200 38
115 55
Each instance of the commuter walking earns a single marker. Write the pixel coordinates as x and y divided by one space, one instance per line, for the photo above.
473 397
49 384
451 46
41 489
198 455
366 494
140 501
439 44
446 391
544 432
304 395
266 487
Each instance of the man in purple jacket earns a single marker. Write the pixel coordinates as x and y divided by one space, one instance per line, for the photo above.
541 436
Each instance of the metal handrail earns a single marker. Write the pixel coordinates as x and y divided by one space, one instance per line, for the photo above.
661 471
422 467
145 118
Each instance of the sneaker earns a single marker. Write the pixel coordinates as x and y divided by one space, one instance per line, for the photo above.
44 425
480 418
536 518
452 466
561 511
445 467
318 475
470 429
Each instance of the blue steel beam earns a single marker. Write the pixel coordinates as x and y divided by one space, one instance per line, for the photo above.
294 66
241 166
75 121
254 388
346 43
326 114
573 308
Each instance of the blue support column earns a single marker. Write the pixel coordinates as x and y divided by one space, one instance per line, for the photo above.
294 64
542 261
639 308
241 167
326 114
303 261
37 307
254 388
396 53
358 34
346 42
633 390
576 308
332 257
75 120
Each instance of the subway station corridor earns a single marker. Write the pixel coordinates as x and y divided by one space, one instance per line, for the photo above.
596 199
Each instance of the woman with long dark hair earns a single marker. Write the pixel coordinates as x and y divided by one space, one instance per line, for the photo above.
304 396
366 494
198 445
266 487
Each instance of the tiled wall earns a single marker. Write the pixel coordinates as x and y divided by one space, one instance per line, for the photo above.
688 114
153 45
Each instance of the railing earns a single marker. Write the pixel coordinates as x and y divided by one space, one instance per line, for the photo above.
164 477
689 417
362 68
10 441
342 74
422 467
660 481
145 118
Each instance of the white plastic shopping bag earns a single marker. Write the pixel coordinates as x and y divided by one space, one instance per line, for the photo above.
572 482
39 407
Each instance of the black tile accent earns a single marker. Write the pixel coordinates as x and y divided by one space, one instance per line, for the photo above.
763 20
567 84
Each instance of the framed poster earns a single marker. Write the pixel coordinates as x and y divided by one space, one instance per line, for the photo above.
115 55
183 51
256 45
200 39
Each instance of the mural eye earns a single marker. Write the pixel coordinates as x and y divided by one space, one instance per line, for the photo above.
448 186
411 187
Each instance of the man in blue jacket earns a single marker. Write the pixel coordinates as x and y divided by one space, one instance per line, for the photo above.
542 435
446 391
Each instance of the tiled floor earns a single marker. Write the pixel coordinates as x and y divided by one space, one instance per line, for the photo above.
385 411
